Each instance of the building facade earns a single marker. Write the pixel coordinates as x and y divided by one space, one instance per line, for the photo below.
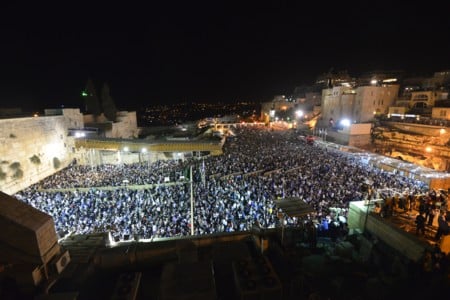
337 104
371 101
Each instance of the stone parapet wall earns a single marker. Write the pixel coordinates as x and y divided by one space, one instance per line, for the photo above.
405 243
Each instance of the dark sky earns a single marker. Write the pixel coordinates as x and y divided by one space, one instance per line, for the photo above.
206 51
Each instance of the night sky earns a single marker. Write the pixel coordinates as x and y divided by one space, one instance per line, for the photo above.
207 52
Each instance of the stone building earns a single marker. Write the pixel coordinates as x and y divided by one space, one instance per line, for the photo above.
373 100
337 104
426 99
124 127
359 105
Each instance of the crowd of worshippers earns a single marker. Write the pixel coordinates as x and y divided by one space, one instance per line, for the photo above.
231 192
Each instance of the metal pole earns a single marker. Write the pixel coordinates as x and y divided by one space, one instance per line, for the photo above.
192 202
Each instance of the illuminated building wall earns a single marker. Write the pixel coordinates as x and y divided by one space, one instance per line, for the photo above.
73 117
125 126
329 102
426 98
442 113
32 149
337 103
373 100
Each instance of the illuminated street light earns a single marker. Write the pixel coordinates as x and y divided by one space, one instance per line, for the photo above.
125 148
442 131
79 134
299 113
428 149
345 122
144 150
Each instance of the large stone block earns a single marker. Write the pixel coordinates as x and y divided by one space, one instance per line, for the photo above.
27 235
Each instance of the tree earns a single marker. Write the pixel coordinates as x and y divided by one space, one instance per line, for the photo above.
108 105
91 102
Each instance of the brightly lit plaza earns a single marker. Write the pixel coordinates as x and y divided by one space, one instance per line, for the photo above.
226 193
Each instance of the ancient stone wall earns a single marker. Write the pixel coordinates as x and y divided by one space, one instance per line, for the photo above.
126 126
32 149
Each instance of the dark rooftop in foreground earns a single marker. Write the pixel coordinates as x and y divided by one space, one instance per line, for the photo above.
290 263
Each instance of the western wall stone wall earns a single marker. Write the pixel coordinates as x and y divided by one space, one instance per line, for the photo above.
32 149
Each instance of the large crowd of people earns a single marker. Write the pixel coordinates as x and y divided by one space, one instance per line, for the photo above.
232 191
